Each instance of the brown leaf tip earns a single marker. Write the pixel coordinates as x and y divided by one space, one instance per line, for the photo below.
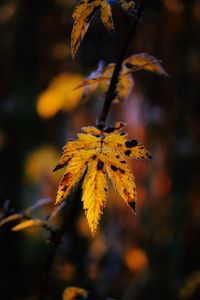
149 156
57 167
133 206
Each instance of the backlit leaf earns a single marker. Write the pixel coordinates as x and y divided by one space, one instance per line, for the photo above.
74 170
82 16
146 62
106 16
94 192
102 154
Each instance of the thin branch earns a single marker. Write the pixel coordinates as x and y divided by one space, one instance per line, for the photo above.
111 93
55 239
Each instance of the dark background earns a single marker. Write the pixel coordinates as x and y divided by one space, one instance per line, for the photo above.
155 255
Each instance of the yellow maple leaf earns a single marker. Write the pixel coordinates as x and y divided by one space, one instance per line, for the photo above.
82 15
101 154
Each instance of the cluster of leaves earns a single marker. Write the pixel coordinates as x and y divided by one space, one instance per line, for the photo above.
133 63
100 153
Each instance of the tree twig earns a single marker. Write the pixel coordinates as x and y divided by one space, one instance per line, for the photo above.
111 93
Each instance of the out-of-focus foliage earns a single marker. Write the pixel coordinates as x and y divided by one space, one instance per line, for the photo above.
39 164
192 285
73 293
60 95
102 153
27 224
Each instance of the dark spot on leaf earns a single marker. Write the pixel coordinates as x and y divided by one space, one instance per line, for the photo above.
114 168
105 189
127 152
100 165
122 171
64 188
66 176
123 162
117 156
94 157
133 205
131 144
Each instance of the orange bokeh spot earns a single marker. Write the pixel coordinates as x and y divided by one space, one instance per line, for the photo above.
136 260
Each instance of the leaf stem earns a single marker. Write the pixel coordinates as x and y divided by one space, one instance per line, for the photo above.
110 94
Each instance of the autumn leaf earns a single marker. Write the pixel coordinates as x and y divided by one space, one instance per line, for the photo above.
128 6
28 224
82 16
146 62
11 218
102 76
100 154
73 293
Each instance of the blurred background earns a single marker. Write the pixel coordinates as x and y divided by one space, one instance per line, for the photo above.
154 255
